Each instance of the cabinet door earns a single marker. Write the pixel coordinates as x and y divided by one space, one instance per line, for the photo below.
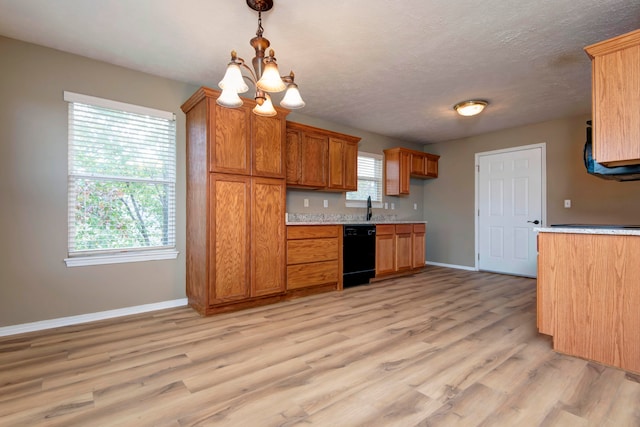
293 156
314 160
336 163
616 109
392 172
343 165
268 236
267 144
431 165
385 249
229 139
350 155
404 247
229 239
405 165
418 242
417 164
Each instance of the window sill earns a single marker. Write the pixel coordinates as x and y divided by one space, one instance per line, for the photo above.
82 261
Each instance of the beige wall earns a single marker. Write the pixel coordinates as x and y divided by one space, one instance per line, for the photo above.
35 284
449 201
371 143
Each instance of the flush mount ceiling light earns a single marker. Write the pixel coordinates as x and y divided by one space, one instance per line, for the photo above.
265 76
470 108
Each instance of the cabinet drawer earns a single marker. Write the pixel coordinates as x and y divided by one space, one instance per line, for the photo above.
311 250
317 273
382 229
313 231
419 228
404 228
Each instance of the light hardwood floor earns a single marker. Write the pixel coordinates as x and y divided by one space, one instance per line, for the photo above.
442 348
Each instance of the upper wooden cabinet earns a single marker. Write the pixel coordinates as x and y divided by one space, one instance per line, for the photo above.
401 163
616 99
424 165
267 148
306 158
239 141
321 159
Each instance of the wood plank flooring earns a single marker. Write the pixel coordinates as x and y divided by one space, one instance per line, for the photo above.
441 348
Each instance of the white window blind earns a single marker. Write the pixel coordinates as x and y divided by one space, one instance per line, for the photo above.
369 178
121 177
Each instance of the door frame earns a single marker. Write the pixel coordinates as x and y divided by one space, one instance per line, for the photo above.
543 188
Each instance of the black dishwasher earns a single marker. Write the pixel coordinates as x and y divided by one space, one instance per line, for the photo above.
358 254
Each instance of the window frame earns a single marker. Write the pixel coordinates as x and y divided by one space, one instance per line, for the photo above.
120 255
351 203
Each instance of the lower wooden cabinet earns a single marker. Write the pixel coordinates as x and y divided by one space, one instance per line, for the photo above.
314 258
400 248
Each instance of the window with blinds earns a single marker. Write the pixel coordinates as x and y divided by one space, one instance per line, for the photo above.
369 178
121 177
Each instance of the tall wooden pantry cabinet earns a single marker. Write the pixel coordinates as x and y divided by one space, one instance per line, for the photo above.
236 189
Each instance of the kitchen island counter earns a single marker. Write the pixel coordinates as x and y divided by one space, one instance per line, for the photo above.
588 291
621 230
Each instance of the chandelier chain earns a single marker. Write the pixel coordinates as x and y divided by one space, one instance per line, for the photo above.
260 29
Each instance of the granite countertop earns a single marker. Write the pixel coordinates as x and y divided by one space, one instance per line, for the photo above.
592 229
344 219
350 222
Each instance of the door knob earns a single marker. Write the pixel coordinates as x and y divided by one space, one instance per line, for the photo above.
535 222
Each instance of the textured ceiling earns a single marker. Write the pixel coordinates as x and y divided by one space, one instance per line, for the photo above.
386 66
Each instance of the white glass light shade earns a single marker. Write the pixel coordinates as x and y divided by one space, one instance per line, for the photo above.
292 99
270 80
266 109
233 79
470 108
229 98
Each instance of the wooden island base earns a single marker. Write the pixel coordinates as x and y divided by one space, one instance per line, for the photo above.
589 295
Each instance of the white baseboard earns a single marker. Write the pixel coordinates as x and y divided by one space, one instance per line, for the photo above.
89 317
459 267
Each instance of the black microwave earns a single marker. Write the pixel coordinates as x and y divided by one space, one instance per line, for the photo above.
617 173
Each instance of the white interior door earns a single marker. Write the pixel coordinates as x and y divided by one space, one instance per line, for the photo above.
510 199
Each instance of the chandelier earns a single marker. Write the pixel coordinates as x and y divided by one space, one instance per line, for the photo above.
265 76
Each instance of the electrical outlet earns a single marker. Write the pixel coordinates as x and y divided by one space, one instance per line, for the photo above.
567 203
386 205
393 205
415 206
326 203
306 203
